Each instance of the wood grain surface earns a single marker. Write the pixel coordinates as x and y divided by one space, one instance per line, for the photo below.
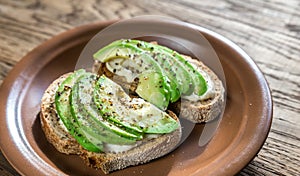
269 31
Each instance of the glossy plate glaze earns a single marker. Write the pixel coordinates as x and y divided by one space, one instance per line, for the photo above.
241 134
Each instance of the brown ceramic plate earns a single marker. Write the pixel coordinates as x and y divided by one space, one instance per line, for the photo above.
241 134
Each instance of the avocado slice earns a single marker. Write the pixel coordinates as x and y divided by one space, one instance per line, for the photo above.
150 88
116 49
84 108
116 105
62 103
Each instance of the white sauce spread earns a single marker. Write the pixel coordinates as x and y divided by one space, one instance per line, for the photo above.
114 148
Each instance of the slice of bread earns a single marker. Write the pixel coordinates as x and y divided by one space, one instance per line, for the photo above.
146 150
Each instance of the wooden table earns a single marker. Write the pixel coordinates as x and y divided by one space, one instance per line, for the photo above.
269 31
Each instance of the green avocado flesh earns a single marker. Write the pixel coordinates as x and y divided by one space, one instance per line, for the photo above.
151 88
131 58
96 110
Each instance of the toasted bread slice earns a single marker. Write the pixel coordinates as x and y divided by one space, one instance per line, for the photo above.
150 148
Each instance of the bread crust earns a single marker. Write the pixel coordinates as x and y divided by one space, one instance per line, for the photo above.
150 149
55 132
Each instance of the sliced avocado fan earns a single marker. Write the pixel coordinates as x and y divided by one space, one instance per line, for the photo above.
96 110
132 58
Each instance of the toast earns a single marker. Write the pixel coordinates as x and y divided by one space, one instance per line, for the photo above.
145 150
